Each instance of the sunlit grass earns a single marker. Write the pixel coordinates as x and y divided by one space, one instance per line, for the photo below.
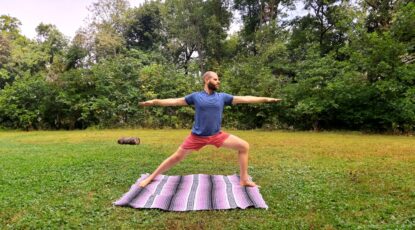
334 180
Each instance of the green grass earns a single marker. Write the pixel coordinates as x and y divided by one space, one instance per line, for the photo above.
69 179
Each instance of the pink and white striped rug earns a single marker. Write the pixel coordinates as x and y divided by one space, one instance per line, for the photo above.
192 192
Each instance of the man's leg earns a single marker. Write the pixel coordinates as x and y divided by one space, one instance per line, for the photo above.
175 158
242 147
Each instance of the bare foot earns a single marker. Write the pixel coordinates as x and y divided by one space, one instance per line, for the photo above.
247 183
144 183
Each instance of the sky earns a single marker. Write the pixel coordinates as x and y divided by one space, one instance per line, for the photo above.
67 15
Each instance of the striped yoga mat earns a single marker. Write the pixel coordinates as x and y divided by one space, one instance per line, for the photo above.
192 192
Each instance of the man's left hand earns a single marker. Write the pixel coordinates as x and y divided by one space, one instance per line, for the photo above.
274 100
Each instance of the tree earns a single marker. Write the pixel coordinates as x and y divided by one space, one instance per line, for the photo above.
9 24
9 31
106 28
108 43
109 12
5 51
380 14
344 65
77 52
144 29
327 25
257 14
51 39
196 29
403 29
24 103
26 56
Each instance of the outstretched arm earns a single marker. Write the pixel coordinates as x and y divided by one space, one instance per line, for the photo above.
252 99
165 102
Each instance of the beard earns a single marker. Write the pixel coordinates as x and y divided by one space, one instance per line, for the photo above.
212 86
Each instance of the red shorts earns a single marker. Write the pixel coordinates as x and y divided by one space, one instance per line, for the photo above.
197 142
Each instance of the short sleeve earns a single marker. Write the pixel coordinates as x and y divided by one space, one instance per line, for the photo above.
227 98
190 99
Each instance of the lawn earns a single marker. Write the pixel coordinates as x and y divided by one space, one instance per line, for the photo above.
328 180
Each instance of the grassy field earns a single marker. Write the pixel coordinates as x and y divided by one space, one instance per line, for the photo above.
69 179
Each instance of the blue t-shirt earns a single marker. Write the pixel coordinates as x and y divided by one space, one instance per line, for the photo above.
209 109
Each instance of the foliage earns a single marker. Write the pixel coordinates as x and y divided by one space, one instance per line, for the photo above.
25 103
144 27
342 65
196 27
259 14
9 24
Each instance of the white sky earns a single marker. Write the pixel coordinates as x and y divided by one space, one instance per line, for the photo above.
67 15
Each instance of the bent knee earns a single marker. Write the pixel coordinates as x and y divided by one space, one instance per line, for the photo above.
243 146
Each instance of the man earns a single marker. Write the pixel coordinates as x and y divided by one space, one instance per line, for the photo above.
207 126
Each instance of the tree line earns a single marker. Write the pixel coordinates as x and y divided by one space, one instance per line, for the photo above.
346 65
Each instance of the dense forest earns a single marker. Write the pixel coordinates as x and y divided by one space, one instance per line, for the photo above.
343 65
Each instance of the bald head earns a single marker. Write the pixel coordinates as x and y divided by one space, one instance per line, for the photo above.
211 80
208 75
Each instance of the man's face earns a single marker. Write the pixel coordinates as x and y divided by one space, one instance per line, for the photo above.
213 83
